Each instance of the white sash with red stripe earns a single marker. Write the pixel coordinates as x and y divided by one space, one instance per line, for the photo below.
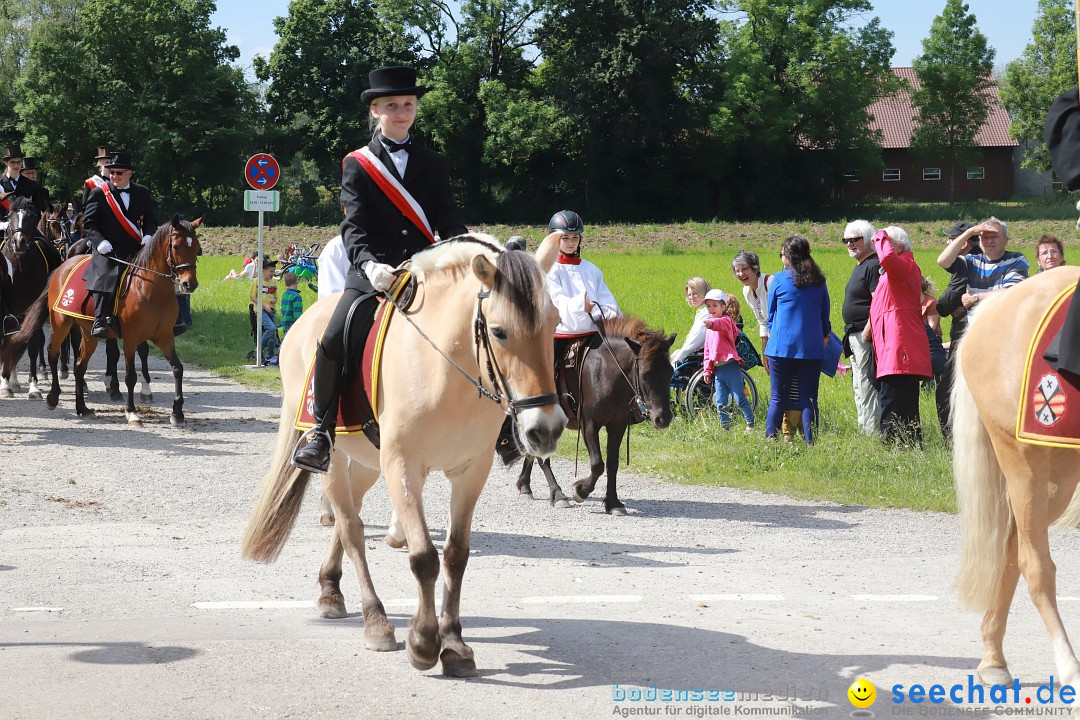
394 190
131 228
96 181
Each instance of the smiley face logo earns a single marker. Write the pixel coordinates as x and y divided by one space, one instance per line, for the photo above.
862 693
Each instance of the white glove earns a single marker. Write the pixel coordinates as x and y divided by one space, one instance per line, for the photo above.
381 275
145 239
104 247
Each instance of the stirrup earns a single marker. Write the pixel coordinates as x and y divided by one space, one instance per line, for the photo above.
303 441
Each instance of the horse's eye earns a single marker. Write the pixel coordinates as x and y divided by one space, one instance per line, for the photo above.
499 334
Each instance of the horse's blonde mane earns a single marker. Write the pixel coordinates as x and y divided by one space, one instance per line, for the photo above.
455 254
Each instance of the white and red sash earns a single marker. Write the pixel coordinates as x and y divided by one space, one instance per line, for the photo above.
131 228
394 190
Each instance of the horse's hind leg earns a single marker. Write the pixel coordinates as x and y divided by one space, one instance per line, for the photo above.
406 485
457 657
1030 479
88 347
555 493
145 395
66 350
35 351
177 417
612 504
112 363
581 489
993 670
60 326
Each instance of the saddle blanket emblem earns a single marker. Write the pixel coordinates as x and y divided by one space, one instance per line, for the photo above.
75 300
1044 417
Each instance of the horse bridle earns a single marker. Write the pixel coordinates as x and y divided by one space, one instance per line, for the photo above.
501 388
642 407
14 231
173 266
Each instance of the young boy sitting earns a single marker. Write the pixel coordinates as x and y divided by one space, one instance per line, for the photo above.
291 302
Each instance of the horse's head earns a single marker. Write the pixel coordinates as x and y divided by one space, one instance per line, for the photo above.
520 324
183 252
22 224
654 371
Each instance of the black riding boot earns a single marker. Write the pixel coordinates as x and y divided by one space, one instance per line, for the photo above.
103 320
314 456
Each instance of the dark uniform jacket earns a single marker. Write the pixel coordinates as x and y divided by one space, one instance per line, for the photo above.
374 229
26 188
99 223
88 188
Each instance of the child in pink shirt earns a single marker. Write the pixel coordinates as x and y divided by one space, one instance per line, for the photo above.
723 366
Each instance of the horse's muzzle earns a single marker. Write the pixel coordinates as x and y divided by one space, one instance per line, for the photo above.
186 287
539 431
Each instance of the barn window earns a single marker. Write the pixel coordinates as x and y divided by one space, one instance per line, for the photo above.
976 173
931 173
890 174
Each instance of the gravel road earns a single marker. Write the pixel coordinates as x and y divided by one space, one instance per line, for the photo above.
122 593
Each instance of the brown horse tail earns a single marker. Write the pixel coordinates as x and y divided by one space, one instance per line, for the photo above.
36 316
981 498
279 503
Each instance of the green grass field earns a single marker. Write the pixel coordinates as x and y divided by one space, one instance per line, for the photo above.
844 465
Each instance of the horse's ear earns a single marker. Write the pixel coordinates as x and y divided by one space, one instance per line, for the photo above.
484 269
175 222
670 340
548 251
196 222
634 345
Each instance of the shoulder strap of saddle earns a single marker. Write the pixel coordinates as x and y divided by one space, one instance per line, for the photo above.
394 190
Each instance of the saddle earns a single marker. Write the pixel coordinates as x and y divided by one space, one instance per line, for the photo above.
75 300
1049 411
568 377
356 409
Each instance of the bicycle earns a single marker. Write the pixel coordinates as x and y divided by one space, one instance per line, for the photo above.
694 396
303 263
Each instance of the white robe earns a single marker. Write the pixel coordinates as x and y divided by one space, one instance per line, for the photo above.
333 267
567 285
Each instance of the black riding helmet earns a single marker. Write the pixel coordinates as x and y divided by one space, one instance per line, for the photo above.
567 222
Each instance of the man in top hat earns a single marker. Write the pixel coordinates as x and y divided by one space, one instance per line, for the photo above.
101 178
14 184
1062 134
30 170
118 220
377 236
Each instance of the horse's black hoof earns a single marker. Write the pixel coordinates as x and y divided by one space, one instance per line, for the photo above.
86 414
115 396
51 402
177 421
616 510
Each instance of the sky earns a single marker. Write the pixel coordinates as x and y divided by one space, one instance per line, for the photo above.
1005 23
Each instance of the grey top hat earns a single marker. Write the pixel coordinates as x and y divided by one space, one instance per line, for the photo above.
104 152
391 81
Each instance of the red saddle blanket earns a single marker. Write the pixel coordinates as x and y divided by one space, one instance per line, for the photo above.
74 299
1049 405
364 380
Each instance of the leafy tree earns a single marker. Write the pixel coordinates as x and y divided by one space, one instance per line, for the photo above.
793 85
1034 80
955 77
167 93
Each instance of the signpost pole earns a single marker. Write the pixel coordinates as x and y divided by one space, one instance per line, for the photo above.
259 297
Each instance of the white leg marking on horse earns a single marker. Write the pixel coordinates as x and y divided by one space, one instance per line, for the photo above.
583 599
252 604
736 597
894 598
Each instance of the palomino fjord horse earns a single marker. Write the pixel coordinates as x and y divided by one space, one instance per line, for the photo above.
1009 492
625 362
482 307
26 255
147 311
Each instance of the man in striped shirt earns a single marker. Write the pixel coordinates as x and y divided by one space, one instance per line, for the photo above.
992 270
291 302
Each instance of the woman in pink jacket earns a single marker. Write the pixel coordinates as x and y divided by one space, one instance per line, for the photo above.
901 348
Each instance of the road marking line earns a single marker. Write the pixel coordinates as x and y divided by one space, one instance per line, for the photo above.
581 599
894 598
37 609
736 597
252 604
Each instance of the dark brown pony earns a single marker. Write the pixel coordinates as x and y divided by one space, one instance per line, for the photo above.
626 362
31 261
147 311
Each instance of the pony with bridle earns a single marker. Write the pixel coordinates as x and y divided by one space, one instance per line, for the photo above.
1009 492
147 310
626 370
29 262
473 346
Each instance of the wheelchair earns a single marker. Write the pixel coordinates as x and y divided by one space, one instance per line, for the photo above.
694 397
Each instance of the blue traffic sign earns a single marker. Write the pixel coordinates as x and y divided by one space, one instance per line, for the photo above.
262 171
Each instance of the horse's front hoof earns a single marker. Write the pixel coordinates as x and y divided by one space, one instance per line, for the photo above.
6 393
380 638
617 510
995 676
133 420
454 665
418 662
115 396
146 397
63 373
327 519
33 395
560 503
86 414
575 492
177 420
396 544
332 607
51 402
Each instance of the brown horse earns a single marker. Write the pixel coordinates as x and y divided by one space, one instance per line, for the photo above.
626 363
147 311
482 308
1009 492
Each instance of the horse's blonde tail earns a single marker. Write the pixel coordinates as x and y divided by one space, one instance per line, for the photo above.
982 499
279 502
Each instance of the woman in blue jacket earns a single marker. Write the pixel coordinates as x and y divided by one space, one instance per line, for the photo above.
799 329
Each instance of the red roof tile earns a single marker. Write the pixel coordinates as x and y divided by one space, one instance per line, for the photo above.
894 116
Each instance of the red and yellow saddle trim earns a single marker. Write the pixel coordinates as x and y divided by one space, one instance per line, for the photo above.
349 422
74 299
1044 416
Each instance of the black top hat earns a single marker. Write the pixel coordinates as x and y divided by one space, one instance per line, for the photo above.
104 152
29 163
11 152
120 161
392 81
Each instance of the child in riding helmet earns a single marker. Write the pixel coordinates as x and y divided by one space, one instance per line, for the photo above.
575 285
